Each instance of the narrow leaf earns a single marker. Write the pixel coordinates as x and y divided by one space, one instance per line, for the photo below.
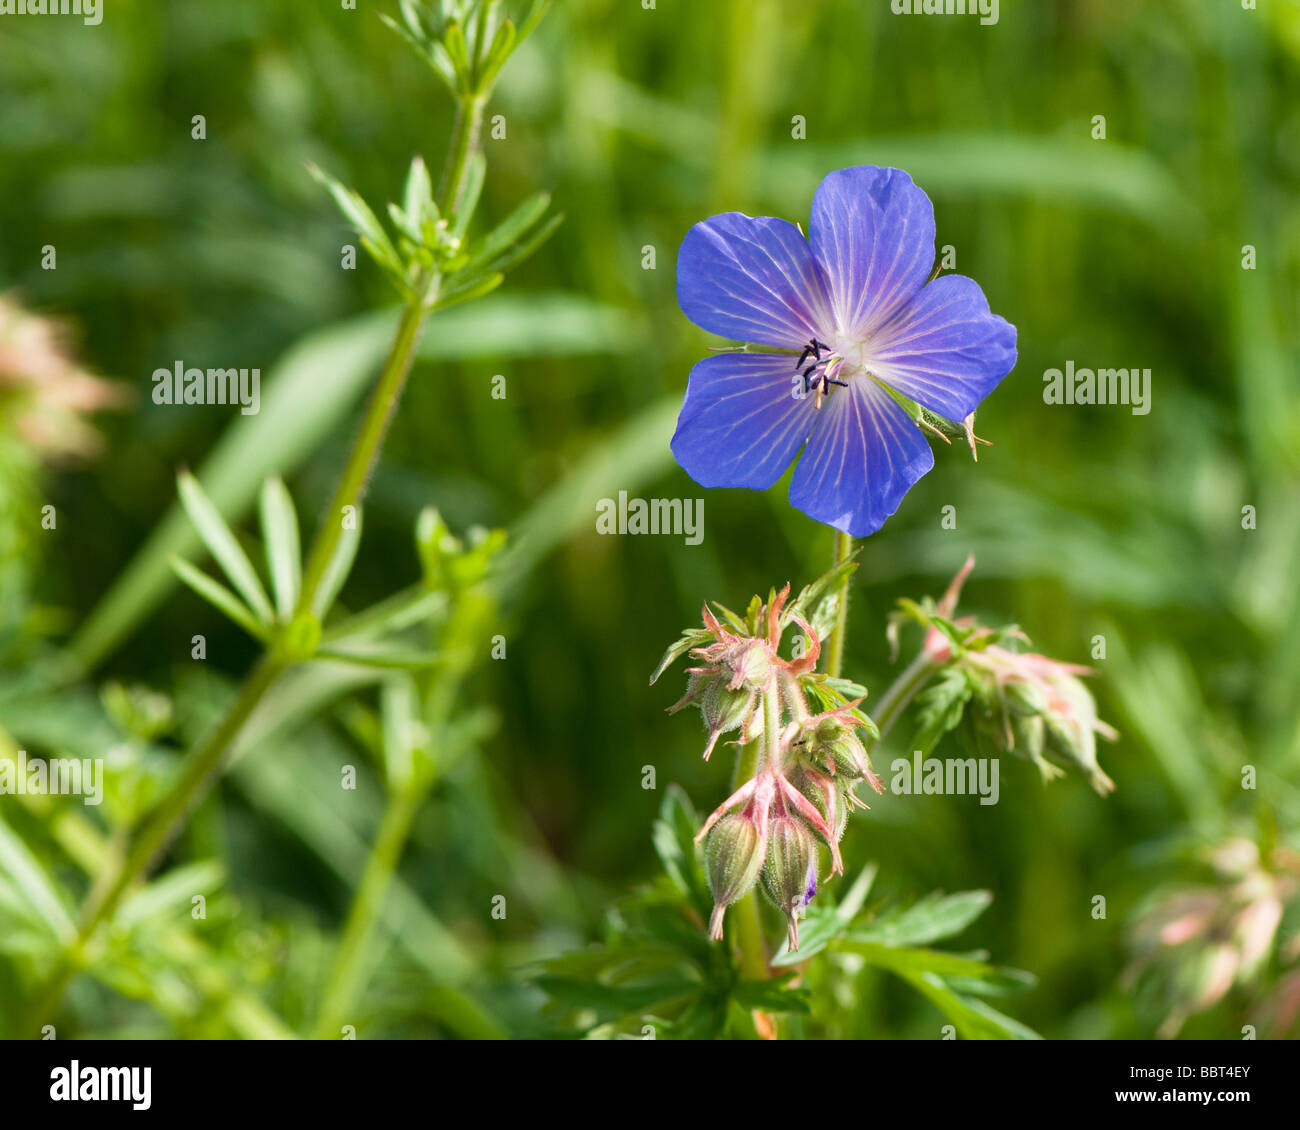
221 542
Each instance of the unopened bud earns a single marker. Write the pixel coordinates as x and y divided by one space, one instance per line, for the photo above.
827 796
750 666
847 755
732 861
1024 698
723 710
790 871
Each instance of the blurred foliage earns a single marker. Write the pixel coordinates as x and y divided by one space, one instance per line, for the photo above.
1085 522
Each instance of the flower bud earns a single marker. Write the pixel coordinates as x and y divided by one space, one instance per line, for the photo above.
846 756
1023 698
732 859
750 665
827 796
723 710
790 871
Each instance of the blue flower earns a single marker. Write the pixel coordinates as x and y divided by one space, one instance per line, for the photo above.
852 310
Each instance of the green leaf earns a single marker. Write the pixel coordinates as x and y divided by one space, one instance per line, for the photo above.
510 229
469 289
402 730
170 894
221 543
317 384
692 637
810 596
933 918
216 594
398 612
475 174
384 659
940 707
29 880
973 1018
516 254
674 842
359 215
772 996
417 196
339 566
283 548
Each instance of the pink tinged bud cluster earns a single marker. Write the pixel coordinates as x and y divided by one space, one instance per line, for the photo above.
1202 941
800 794
43 390
1029 705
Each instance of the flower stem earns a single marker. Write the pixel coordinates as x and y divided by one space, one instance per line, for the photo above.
349 962
835 648
751 950
901 691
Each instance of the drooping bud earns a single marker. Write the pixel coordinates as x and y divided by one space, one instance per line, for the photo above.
828 796
733 855
750 665
836 746
1024 698
790 871
723 710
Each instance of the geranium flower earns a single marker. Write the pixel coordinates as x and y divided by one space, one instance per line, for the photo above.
859 327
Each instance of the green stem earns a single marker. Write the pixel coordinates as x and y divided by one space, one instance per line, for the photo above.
901 691
835 646
204 760
156 833
466 140
349 962
751 949
365 452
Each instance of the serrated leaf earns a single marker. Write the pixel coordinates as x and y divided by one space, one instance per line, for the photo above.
772 996
940 707
674 842
692 637
806 603
933 918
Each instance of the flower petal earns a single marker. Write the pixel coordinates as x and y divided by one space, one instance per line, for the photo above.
872 231
945 350
752 279
864 455
741 425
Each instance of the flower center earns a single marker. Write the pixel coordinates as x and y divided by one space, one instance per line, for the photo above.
821 367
